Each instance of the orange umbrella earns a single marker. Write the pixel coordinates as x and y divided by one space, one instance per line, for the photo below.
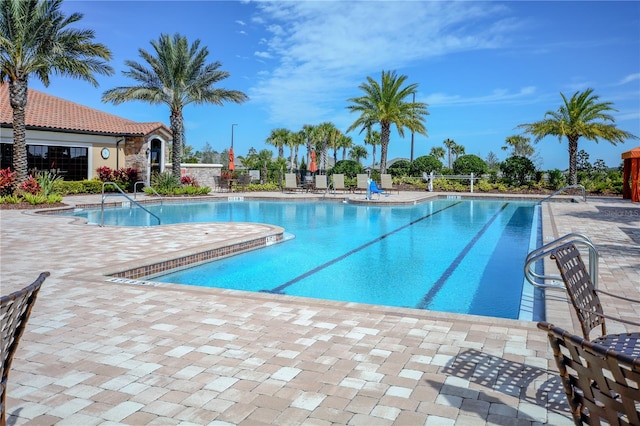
232 166
313 167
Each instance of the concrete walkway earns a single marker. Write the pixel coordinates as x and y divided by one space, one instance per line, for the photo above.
100 352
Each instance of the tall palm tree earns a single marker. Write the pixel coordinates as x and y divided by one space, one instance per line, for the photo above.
457 150
324 136
437 152
345 142
358 152
450 144
35 41
177 76
520 146
384 103
308 132
372 138
279 138
581 116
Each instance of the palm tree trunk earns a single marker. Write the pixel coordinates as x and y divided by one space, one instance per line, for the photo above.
177 130
573 160
374 156
384 144
18 101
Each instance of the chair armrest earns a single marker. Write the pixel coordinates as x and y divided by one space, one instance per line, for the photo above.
617 296
611 317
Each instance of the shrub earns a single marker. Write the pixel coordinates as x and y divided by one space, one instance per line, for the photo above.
399 168
11 199
468 164
123 177
7 180
30 186
189 181
518 170
34 199
164 182
47 181
556 179
425 164
349 168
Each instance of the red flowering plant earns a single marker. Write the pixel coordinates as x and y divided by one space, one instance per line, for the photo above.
124 177
7 180
30 186
189 181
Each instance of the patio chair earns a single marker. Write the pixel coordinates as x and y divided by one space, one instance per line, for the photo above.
338 182
15 309
601 384
374 190
586 302
291 183
243 182
362 182
321 183
386 183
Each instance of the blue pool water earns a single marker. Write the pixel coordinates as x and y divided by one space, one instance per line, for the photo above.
463 256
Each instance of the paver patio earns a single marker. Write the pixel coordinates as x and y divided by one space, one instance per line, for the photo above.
100 352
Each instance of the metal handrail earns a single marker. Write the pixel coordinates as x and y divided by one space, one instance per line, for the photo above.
584 192
135 190
539 280
104 196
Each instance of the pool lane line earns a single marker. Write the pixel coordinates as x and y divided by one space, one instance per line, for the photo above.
437 286
280 289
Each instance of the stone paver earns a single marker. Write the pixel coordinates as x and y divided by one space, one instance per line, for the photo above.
101 352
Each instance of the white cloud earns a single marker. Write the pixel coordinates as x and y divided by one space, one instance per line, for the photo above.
497 96
264 55
325 49
629 78
241 23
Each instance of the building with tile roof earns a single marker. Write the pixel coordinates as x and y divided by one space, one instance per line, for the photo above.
74 140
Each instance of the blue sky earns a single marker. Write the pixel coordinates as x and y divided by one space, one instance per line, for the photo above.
483 68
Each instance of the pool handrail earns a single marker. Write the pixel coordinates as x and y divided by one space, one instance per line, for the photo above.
135 190
539 280
584 192
121 193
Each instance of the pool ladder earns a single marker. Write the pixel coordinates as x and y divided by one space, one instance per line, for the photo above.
120 194
555 281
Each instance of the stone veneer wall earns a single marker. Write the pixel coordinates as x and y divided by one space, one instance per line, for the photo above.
203 173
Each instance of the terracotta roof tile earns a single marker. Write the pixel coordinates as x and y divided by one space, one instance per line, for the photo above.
50 112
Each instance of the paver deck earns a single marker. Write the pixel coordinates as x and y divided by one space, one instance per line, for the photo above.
99 352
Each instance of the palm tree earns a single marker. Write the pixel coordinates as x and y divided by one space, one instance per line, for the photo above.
35 40
437 152
520 146
177 76
279 138
345 142
457 150
450 144
372 138
581 116
358 152
308 132
324 136
385 103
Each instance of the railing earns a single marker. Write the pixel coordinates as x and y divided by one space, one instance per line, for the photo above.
429 178
584 192
135 190
122 194
540 280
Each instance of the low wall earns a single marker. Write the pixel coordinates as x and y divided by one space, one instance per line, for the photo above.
203 173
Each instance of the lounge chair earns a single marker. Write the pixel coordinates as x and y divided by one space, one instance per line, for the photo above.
386 183
338 182
362 182
15 309
243 182
321 183
586 302
373 189
601 384
291 183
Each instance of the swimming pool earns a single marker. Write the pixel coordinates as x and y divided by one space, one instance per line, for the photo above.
463 256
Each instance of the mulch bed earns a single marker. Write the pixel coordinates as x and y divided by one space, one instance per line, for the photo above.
26 206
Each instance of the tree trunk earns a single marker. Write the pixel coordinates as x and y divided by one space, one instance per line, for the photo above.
177 130
18 101
573 160
384 144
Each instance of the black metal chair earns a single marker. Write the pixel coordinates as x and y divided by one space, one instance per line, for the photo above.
585 300
601 384
15 309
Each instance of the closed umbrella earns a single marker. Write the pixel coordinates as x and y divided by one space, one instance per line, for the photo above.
314 166
232 166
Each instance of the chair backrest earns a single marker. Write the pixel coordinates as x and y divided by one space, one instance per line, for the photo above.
580 288
600 384
338 181
361 180
321 181
15 309
290 180
385 181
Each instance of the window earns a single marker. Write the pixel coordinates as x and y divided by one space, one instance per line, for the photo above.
69 162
